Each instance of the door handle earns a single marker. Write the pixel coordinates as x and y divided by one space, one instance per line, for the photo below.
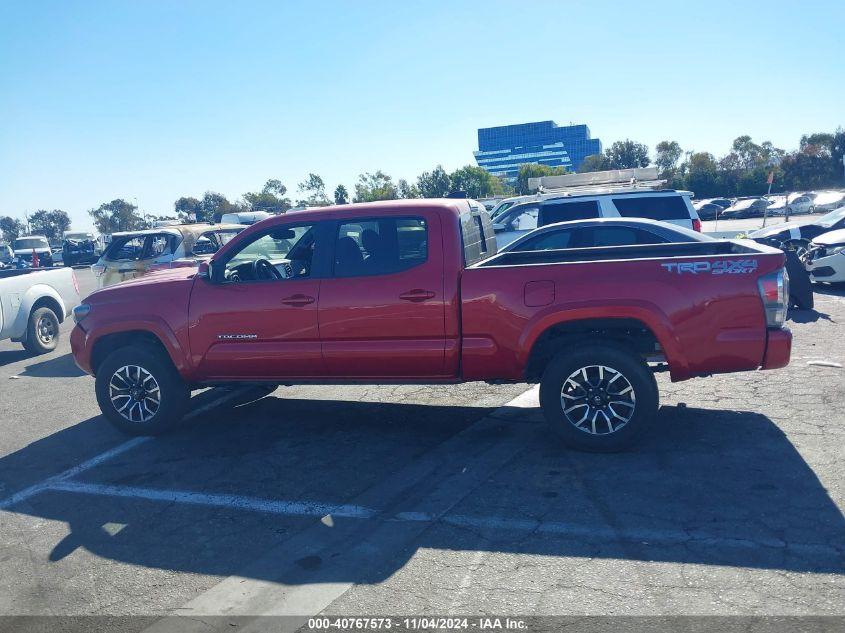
298 300
417 295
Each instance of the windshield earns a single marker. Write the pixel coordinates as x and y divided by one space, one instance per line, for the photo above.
79 236
31 242
833 217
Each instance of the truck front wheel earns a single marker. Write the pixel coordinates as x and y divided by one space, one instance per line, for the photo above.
140 392
598 398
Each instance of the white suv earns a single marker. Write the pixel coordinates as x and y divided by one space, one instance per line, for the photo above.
666 205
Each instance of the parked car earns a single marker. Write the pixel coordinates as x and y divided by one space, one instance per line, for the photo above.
800 204
28 247
33 302
79 247
135 253
829 200
746 208
798 235
710 211
604 232
825 257
722 202
414 291
665 205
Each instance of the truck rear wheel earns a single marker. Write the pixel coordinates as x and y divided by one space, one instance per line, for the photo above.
598 398
42 331
140 392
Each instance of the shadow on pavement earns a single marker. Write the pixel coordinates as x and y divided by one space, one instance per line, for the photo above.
731 480
55 367
808 316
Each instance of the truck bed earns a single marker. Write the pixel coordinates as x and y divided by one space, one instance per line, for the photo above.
700 302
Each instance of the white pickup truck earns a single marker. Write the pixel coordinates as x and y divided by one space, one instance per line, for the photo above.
33 303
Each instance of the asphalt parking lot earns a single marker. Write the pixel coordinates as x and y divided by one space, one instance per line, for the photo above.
409 500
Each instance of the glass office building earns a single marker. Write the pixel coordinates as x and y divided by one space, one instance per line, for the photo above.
501 150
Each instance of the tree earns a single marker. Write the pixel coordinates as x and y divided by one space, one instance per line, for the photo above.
594 162
477 182
406 190
376 186
534 170
434 183
187 208
341 195
627 154
702 175
668 153
10 228
117 215
269 199
315 189
50 224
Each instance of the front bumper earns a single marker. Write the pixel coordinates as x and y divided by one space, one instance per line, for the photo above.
81 349
778 349
830 268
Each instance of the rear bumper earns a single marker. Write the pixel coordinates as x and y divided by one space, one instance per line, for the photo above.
79 345
778 349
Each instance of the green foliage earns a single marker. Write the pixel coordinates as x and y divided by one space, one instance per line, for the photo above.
407 191
534 170
594 162
476 181
434 183
50 224
341 195
315 190
627 154
10 228
269 199
668 154
117 215
376 186
187 208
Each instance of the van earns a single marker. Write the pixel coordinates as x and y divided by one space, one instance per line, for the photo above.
667 205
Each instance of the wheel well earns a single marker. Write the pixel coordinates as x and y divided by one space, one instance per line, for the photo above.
133 338
49 302
630 333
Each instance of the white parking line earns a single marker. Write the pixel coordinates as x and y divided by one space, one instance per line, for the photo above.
238 502
51 482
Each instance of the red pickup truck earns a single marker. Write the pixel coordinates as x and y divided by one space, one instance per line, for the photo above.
413 292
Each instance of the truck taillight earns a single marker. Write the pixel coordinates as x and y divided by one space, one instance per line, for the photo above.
774 291
696 225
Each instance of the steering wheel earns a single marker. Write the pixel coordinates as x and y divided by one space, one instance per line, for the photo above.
263 269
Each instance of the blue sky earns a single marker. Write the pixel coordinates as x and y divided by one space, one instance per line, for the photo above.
153 100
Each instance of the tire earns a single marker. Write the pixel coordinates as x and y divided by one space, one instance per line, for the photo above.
118 386
42 331
618 423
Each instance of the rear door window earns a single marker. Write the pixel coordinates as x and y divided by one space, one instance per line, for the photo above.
380 246
565 211
653 207
159 246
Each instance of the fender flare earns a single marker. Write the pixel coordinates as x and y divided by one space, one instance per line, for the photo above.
645 312
156 326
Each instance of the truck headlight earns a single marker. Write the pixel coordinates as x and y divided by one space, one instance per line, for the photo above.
80 312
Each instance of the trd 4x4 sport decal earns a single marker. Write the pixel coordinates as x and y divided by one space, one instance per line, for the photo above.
719 267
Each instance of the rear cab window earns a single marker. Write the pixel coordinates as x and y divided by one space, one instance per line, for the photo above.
477 235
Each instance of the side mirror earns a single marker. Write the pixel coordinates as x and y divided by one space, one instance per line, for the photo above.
498 227
204 270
